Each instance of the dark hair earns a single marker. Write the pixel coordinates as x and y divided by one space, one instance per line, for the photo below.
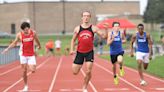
115 23
140 25
24 25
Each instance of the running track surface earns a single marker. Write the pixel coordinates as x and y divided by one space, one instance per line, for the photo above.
54 74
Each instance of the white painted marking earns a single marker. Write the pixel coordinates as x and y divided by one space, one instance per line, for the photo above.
2 66
152 77
143 73
78 90
29 90
9 70
65 90
116 89
141 90
90 83
70 90
159 89
45 61
55 75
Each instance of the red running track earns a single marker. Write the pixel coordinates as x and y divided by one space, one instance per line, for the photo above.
54 74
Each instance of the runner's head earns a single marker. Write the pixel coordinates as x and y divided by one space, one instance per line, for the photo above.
116 26
86 15
140 28
25 26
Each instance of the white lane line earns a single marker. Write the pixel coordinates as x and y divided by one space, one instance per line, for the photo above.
9 70
80 90
131 69
45 61
70 90
2 66
55 75
116 89
65 90
141 90
145 74
29 90
90 83
161 89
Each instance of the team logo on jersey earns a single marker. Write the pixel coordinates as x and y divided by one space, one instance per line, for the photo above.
141 40
85 34
117 39
27 39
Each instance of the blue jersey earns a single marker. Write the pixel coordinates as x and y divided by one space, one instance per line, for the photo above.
142 43
116 45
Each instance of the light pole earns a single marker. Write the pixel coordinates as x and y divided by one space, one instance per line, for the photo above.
34 15
64 30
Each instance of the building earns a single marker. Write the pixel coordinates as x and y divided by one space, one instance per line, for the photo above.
55 17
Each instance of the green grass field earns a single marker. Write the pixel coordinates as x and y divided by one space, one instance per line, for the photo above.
64 39
156 66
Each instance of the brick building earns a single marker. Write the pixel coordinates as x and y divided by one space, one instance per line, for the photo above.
47 17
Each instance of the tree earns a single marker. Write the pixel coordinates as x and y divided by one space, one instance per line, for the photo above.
154 12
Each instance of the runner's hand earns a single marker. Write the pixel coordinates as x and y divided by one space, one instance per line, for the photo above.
4 51
38 47
113 37
72 52
150 57
131 54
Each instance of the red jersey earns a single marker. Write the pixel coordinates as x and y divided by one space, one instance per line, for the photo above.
85 39
27 47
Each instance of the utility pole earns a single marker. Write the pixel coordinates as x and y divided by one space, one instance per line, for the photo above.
64 24
34 16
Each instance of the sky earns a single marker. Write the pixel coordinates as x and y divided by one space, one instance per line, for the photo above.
143 3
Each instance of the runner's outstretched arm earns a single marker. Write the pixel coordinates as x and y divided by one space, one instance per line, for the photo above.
12 44
99 32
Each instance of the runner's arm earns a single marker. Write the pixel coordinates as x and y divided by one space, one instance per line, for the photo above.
99 32
110 38
131 44
37 40
74 37
123 38
12 44
150 45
